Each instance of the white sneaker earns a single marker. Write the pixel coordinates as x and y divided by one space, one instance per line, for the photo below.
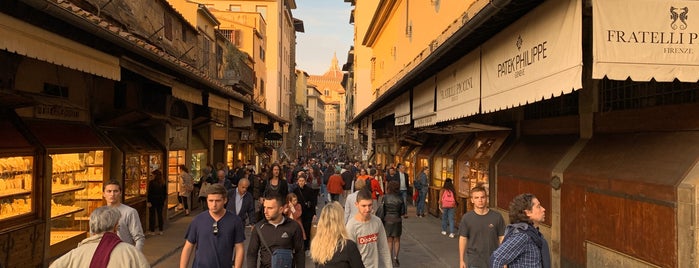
444 233
451 235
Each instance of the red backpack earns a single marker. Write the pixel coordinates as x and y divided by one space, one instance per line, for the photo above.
448 200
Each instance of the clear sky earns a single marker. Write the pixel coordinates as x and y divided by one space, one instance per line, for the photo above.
327 30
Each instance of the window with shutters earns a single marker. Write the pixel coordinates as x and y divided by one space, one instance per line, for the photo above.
167 26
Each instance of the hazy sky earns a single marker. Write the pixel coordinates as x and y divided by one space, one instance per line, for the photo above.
327 30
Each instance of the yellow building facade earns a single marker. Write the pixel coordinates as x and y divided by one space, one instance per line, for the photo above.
248 31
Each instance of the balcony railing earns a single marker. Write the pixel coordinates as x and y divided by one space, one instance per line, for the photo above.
237 73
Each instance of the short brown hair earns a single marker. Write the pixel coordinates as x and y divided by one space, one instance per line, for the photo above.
111 182
479 188
216 189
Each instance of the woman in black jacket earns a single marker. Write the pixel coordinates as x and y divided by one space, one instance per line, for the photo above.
157 192
308 199
393 221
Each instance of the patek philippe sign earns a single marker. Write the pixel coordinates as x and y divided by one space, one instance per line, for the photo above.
538 56
645 39
458 88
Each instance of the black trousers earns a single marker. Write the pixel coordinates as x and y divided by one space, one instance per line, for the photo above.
156 210
184 201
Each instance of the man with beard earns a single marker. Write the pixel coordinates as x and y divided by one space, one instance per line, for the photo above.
275 234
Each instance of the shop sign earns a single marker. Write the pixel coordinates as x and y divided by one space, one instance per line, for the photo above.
458 88
538 56
59 112
646 39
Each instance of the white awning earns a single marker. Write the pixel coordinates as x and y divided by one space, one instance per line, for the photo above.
645 39
217 102
186 93
535 58
459 88
31 41
423 104
236 108
402 111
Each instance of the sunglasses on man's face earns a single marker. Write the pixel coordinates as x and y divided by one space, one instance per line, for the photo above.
215 226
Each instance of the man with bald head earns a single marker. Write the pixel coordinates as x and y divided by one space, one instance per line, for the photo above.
240 202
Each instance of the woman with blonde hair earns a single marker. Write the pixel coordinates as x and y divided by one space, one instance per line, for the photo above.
331 246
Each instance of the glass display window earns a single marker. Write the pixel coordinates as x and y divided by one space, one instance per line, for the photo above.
198 164
16 188
174 160
76 190
138 168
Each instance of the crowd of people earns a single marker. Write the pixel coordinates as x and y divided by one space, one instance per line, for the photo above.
360 224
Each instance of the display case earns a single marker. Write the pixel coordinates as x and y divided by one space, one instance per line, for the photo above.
15 186
76 190
138 168
174 160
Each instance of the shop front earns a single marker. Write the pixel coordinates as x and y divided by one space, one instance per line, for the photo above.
79 164
423 158
444 167
22 195
176 156
139 155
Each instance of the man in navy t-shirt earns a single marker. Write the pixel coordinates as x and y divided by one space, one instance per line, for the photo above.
214 235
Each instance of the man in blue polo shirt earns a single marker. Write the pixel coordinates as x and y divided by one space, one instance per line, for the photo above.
214 235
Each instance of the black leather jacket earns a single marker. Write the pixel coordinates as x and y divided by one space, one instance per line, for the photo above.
394 207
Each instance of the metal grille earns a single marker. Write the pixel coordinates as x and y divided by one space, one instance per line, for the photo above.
625 95
563 105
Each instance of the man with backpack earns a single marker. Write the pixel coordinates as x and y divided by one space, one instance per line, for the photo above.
373 184
277 240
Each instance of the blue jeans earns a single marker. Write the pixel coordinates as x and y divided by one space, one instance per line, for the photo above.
421 202
324 192
448 215
404 195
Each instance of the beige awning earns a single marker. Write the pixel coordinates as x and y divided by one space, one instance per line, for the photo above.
236 108
423 104
217 102
459 88
186 93
645 39
25 39
537 57
259 118
402 111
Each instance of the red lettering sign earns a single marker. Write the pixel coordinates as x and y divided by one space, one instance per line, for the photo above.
368 239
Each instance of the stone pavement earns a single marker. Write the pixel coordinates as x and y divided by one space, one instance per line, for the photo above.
422 245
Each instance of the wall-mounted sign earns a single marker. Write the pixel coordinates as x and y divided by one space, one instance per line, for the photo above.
538 56
646 39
